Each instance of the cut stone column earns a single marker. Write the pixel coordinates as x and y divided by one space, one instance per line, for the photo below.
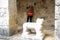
8 12
4 18
12 17
57 17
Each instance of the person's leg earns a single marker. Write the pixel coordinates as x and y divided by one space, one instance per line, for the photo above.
31 18
27 18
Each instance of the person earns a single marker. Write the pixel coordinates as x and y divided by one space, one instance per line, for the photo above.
30 12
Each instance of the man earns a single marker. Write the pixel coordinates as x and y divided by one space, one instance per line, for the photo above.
30 12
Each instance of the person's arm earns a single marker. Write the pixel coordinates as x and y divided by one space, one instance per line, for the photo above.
27 9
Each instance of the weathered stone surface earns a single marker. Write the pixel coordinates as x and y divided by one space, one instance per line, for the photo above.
43 9
4 18
18 37
57 19
12 17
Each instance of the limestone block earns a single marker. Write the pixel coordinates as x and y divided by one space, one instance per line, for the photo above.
12 17
4 31
4 18
57 17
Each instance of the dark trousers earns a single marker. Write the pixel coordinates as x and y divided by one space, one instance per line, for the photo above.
29 18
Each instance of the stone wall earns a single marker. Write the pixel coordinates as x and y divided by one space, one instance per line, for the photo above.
17 13
43 8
